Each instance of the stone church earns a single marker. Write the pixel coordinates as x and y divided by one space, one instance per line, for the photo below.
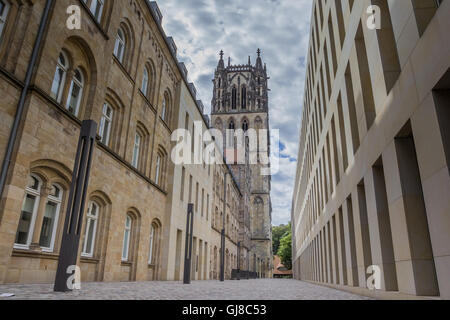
240 101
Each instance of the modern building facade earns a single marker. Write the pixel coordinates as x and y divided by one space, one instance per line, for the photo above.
373 184
240 102
120 70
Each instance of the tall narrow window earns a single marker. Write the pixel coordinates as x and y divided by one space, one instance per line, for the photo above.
60 77
230 133
119 48
106 124
244 98
126 239
90 230
183 178
245 126
4 10
75 93
158 170
51 216
97 9
196 197
234 99
136 150
207 207
164 109
152 244
29 211
144 87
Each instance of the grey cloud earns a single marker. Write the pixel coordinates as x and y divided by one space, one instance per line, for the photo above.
201 28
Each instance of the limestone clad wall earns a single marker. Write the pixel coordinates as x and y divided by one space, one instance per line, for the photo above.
372 158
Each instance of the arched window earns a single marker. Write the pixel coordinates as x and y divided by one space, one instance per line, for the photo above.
158 169
127 238
245 126
166 109
106 124
230 133
152 244
4 10
234 99
90 230
136 150
163 109
244 98
145 79
60 77
120 46
75 93
51 216
29 212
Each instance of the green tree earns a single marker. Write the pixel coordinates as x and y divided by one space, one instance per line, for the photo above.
285 250
277 234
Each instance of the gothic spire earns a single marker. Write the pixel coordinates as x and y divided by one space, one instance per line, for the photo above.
259 64
221 63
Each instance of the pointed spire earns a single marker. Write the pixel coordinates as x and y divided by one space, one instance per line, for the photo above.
229 61
259 64
249 61
221 63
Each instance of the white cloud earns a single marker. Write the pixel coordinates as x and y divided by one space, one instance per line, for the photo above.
201 28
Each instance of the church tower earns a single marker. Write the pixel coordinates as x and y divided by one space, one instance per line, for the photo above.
240 101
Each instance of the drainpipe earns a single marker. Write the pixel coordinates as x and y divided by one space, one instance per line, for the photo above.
21 105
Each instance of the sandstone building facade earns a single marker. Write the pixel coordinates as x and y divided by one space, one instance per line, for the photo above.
120 70
373 183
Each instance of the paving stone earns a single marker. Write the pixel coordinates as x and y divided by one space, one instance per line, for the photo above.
199 290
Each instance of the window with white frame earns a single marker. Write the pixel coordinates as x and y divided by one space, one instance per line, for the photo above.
119 48
164 109
106 124
75 93
4 10
28 215
60 77
136 150
126 238
145 78
51 217
158 169
152 244
90 230
97 9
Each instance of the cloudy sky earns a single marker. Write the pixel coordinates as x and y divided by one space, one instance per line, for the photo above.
201 28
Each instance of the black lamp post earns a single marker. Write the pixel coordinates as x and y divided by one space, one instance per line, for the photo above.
74 214
188 246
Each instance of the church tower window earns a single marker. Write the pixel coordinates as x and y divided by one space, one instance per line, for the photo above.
234 99
244 98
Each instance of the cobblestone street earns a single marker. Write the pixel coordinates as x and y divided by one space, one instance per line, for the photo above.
269 289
